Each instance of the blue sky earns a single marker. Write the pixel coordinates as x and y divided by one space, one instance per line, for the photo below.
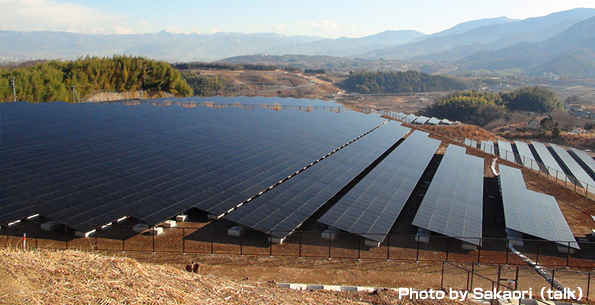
305 17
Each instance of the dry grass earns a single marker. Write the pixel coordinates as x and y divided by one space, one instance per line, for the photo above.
72 277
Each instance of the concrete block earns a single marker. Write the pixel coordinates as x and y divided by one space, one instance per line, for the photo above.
141 227
332 287
49 226
422 238
169 223
330 233
235 231
156 230
468 246
298 286
276 240
366 289
315 287
349 288
372 243
181 218
283 285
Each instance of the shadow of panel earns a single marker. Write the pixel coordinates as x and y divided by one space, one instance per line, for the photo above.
375 253
291 246
434 250
402 247
313 245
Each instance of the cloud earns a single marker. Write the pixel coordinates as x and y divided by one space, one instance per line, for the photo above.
281 27
52 15
352 25
321 26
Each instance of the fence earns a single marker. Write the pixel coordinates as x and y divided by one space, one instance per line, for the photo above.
523 280
208 239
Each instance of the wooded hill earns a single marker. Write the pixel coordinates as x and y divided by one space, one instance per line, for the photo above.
480 108
400 82
52 80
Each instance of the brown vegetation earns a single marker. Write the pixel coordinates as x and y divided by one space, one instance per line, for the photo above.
72 277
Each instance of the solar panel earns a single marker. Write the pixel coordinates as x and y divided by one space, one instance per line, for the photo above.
505 151
372 206
584 160
530 212
447 122
284 208
488 147
89 164
526 156
453 204
410 118
472 143
575 169
433 121
548 160
421 120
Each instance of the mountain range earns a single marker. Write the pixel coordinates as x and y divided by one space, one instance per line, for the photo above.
561 43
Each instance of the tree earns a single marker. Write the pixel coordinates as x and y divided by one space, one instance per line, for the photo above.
547 123
556 132
536 98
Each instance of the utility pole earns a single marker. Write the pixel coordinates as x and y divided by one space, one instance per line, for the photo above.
14 92
74 94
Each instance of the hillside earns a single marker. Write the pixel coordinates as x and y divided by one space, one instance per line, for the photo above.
349 46
490 36
569 53
69 277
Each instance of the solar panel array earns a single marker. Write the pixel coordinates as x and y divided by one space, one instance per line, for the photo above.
373 205
575 169
284 208
453 204
526 155
488 147
530 212
88 164
548 160
585 160
505 150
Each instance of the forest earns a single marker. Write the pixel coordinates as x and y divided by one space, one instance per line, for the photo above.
400 82
480 108
53 80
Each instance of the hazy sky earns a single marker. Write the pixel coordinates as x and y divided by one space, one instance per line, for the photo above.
305 17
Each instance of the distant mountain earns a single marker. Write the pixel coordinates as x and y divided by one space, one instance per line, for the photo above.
499 34
349 46
473 24
162 45
570 53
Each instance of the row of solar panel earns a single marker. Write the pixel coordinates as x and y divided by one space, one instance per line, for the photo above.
152 163
575 165
413 119
530 212
453 204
